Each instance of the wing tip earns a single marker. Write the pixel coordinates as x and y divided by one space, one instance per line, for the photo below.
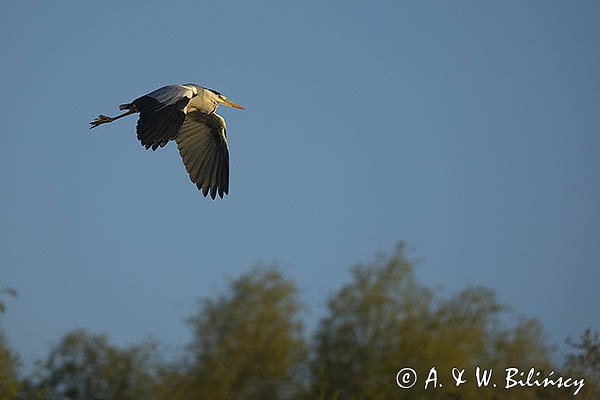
212 191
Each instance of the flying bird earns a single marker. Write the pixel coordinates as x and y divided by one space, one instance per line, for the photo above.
186 114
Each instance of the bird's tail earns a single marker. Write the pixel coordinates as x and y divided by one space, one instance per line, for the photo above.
126 106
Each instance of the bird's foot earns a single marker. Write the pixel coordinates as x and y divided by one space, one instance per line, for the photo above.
101 119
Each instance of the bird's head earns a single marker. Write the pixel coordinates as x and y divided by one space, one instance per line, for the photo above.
221 99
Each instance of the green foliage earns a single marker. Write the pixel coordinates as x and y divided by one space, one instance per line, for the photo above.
247 343
356 341
384 321
9 362
585 362
84 366
8 291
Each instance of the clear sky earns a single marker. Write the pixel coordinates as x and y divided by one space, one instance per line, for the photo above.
470 130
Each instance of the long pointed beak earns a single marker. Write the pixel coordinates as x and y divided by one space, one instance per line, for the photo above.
232 104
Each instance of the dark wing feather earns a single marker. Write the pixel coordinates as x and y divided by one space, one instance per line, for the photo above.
202 143
158 122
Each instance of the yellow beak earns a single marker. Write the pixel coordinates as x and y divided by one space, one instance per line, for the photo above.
232 104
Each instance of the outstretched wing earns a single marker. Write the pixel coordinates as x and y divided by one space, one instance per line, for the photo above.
162 113
202 143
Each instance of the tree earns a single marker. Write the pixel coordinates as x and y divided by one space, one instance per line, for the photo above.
384 321
8 291
584 362
353 353
87 367
247 343
9 362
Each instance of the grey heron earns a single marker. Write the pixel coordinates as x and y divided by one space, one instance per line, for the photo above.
186 114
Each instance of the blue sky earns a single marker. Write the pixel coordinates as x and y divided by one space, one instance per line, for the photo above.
470 130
